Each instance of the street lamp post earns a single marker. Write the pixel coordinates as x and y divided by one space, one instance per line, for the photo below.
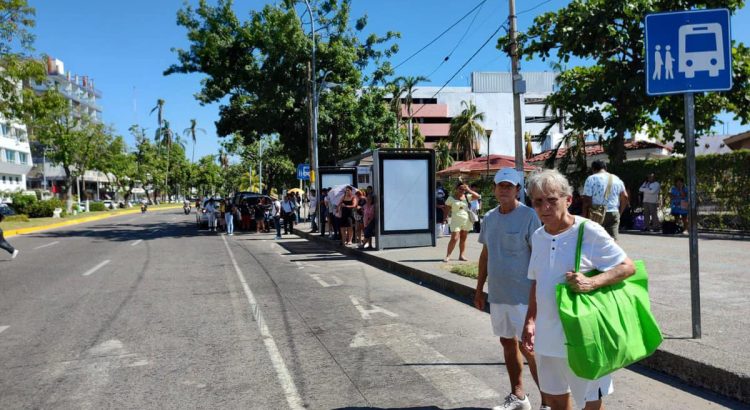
260 165
315 108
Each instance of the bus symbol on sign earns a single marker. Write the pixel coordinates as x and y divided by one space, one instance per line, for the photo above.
701 49
688 51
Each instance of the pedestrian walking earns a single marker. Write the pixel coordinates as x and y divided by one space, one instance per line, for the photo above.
369 215
288 209
460 223
506 238
604 198
346 216
4 243
211 214
650 189
678 195
259 214
553 259
229 211
276 214
313 211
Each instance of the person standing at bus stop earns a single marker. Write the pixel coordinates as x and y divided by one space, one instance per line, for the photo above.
506 238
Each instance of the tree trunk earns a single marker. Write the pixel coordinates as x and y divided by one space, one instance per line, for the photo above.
617 149
69 200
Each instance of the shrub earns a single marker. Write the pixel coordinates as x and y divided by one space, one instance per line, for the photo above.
45 209
97 206
16 218
23 203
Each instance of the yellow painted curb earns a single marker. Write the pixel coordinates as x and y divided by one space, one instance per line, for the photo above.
21 231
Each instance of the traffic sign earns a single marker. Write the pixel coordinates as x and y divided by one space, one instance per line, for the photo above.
688 51
303 172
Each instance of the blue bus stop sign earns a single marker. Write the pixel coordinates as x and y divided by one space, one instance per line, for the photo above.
688 51
303 172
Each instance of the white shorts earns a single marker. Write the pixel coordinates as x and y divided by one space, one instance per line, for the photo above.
555 377
507 320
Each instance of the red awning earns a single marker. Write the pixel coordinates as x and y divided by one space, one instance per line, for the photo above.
478 166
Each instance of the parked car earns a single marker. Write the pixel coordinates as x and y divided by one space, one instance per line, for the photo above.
201 217
252 199
6 210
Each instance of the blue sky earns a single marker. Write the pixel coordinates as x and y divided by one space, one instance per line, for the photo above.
124 46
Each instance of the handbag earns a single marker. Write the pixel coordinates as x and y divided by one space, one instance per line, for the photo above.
473 217
597 213
609 328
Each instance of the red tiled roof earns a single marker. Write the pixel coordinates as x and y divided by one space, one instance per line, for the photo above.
596 149
479 165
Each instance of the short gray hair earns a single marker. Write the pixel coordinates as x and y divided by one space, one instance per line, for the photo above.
548 181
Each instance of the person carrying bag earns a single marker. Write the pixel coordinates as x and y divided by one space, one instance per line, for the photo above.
609 328
598 212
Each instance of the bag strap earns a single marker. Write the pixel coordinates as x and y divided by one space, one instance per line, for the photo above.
578 246
608 190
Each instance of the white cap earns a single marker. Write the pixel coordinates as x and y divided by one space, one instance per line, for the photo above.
508 175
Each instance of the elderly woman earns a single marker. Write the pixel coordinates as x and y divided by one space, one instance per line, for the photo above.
460 224
552 262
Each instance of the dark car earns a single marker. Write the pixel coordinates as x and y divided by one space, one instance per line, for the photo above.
6 210
247 202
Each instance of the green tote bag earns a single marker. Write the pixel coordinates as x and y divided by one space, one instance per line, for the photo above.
609 328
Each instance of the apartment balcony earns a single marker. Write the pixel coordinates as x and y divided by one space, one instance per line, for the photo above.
426 111
434 130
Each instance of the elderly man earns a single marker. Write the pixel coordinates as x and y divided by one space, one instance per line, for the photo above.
604 198
506 238
552 262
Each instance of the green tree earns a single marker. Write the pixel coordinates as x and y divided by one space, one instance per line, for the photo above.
408 84
16 40
258 71
443 158
465 130
75 142
191 133
609 94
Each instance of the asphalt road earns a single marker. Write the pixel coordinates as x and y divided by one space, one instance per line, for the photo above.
145 311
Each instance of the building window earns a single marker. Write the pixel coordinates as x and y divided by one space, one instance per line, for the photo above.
10 156
3 179
22 157
3 130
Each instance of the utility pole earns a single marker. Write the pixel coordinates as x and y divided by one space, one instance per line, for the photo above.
517 85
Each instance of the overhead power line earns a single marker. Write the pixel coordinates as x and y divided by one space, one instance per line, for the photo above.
440 35
465 64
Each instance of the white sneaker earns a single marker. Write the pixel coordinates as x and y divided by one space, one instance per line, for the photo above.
514 403
15 253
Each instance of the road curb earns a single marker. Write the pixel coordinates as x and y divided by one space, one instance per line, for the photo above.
21 231
688 370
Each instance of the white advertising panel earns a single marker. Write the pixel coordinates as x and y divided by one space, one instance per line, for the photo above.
406 194
331 180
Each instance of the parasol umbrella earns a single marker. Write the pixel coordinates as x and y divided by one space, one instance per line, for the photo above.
337 193
295 190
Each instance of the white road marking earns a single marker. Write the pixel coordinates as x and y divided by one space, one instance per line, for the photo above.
46 245
451 380
332 281
95 268
136 242
285 378
373 309
2 328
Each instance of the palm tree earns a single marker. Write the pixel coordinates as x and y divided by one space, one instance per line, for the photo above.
160 111
408 84
466 129
191 133
166 137
443 158
396 89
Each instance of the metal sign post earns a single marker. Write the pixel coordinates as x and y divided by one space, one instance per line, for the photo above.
688 52
695 293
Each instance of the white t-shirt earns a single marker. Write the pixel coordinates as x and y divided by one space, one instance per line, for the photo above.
650 192
596 185
552 257
275 208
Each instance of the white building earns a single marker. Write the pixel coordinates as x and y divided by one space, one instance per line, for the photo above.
492 93
15 156
82 98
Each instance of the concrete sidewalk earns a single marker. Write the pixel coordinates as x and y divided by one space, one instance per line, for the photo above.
719 361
